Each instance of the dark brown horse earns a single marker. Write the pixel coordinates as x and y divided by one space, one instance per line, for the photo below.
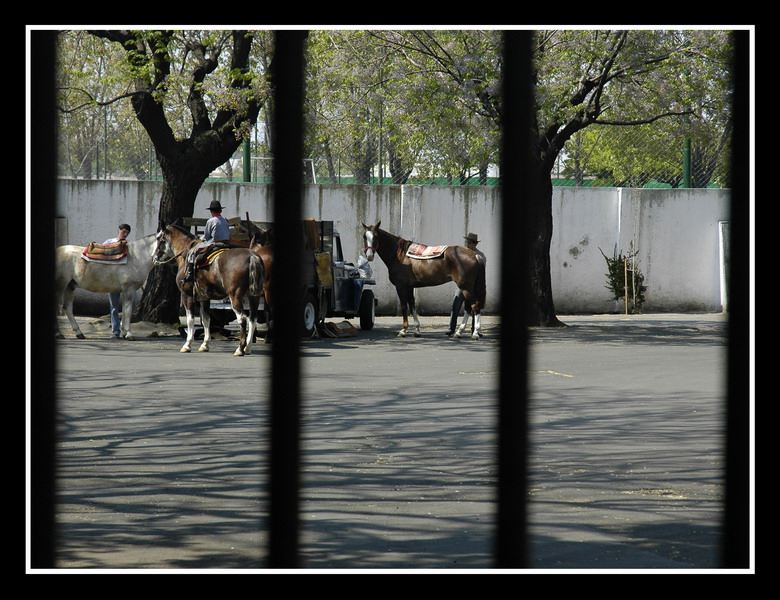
455 263
261 244
234 273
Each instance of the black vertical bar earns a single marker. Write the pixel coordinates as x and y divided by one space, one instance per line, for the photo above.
285 387
736 531
511 535
43 191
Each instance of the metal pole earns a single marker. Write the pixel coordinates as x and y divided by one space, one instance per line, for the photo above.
43 409
285 377
625 283
516 186
247 161
736 544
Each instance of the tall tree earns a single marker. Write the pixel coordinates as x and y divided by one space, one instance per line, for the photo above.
581 78
603 77
161 62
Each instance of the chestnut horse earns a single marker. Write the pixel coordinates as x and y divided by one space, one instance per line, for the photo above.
234 273
456 263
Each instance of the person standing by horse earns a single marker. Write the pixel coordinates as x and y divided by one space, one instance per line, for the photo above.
114 298
472 239
217 230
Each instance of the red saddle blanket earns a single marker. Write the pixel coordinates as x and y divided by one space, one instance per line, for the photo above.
112 252
422 251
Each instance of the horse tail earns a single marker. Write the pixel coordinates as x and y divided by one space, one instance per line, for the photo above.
256 275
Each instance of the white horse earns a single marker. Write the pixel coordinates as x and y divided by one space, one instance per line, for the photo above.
73 271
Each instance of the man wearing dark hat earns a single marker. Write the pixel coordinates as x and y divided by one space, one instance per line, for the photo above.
217 230
472 239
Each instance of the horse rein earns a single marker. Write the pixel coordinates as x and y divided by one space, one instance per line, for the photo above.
156 261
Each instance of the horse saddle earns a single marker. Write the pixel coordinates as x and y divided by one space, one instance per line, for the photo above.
205 256
422 251
111 252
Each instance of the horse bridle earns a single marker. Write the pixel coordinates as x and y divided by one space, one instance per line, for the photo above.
171 259
375 247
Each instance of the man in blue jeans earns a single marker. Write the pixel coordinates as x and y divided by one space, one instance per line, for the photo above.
114 298
472 239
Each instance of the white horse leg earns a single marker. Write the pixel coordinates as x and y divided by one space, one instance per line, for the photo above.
205 319
417 332
462 325
127 313
405 316
241 318
252 321
243 341
404 326
475 333
68 306
252 331
190 330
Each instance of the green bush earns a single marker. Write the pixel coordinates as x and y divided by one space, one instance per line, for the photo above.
624 278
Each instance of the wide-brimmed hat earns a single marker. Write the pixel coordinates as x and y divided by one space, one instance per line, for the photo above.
472 237
215 206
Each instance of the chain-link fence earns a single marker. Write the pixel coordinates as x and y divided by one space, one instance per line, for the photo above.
636 156
643 156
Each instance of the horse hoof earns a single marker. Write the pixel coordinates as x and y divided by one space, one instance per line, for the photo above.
130 337
401 334
475 336
203 349
184 349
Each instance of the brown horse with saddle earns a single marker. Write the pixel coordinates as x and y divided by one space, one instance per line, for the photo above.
428 267
228 272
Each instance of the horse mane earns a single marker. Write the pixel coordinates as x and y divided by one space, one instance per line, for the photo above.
184 230
402 245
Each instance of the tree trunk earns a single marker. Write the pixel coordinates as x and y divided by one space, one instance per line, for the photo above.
185 164
182 178
542 308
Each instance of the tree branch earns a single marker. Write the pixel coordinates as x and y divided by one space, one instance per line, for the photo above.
147 108
92 101
645 121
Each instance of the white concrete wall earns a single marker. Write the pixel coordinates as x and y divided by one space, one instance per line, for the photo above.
676 232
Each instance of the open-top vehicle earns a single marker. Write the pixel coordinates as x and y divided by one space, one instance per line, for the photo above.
331 286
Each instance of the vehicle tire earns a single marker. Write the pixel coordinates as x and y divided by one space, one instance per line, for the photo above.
310 315
366 311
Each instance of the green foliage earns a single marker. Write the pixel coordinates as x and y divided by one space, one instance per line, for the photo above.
426 103
625 279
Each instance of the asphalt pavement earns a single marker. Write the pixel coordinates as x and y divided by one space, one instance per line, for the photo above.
163 455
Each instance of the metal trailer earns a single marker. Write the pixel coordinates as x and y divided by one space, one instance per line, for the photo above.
331 285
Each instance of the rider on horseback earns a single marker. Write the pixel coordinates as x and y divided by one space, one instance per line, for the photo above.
217 230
